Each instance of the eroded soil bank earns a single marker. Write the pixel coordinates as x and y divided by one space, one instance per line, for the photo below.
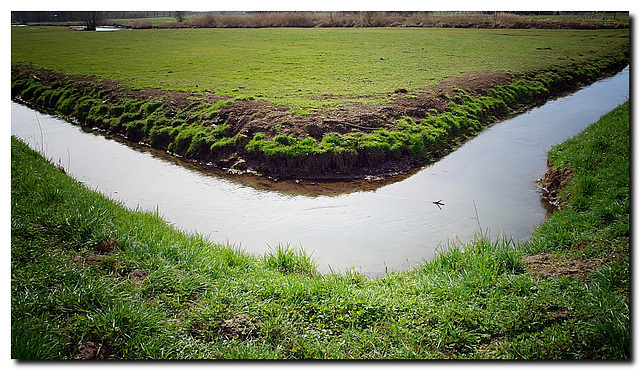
554 181
354 141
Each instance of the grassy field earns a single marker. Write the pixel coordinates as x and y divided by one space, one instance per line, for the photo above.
304 68
91 279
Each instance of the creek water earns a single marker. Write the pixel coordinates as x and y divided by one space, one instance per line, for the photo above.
388 225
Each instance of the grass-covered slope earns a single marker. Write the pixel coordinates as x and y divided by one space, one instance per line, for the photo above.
91 279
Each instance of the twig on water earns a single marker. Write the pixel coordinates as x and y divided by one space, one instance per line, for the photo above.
438 203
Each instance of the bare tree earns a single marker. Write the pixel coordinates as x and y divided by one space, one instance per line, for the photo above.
179 16
92 19
368 16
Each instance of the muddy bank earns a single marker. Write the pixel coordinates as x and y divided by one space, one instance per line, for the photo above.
553 182
356 141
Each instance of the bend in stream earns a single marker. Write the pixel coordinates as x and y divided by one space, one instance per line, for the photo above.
394 225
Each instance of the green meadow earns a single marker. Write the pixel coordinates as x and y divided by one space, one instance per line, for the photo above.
304 68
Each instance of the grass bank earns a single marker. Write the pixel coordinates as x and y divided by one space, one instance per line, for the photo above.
91 279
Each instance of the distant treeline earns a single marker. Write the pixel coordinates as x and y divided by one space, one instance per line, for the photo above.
467 19
25 17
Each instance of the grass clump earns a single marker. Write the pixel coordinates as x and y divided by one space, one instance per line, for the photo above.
290 260
92 279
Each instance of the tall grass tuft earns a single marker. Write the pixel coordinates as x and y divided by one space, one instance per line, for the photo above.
290 260
613 333
483 258
31 339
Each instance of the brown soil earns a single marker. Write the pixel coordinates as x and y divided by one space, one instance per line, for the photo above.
92 258
254 116
87 259
107 246
95 258
241 326
93 351
137 276
557 314
552 265
553 182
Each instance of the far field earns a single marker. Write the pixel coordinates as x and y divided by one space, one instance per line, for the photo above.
304 68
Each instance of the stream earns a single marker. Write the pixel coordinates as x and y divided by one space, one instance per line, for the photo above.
372 227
